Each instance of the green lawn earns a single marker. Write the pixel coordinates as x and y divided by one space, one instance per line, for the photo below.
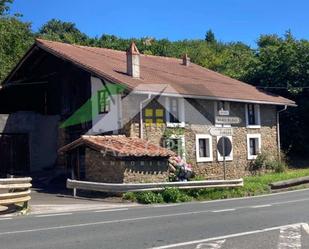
253 185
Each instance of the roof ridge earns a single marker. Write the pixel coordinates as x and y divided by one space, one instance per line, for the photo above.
109 49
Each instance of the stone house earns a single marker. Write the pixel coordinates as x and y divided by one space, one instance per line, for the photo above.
60 92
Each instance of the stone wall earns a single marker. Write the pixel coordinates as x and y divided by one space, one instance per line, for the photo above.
239 166
104 168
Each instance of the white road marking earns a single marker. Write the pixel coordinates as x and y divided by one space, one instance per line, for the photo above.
291 201
51 215
261 206
5 219
290 237
211 245
102 222
110 210
223 210
235 235
272 204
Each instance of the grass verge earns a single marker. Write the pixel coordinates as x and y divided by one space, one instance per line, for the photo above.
253 185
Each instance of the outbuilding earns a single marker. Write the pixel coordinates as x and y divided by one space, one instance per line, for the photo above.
117 159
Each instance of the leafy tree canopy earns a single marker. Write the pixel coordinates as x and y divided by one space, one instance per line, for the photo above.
210 36
4 6
57 30
15 38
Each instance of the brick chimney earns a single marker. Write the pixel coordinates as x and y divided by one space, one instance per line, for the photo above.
133 61
185 60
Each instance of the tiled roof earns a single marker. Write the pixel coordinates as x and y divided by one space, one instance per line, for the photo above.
192 80
120 145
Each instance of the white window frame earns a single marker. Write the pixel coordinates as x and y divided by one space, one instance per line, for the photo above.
197 147
227 158
181 108
258 116
182 138
256 136
217 114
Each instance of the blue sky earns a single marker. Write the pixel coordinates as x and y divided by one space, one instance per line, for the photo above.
231 20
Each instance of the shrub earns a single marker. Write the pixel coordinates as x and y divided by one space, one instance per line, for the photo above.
266 161
183 170
171 195
149 197
184 198
175 195
260 162
130 196
277 166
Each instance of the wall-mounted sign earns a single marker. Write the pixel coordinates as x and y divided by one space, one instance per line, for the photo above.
224 112
227 120
218 131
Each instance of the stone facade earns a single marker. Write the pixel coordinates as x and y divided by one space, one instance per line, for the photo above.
240 165
109 169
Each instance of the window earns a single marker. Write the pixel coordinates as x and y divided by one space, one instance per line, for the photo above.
176 143
153 116
203 148
222 108
230 156
253 145
175 112
253 115
103 102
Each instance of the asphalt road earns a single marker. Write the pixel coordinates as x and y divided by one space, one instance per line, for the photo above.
275 221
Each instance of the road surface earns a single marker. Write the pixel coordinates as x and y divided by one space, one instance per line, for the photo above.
274 221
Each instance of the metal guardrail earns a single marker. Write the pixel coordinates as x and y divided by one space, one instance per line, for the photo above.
18 191
140 187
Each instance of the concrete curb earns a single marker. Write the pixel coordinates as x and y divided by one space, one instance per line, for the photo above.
290 183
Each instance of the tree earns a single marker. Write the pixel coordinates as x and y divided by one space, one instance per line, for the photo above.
4 7
210 36
16 37
57 30
281 66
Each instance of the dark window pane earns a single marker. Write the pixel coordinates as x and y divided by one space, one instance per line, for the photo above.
253 144
204 147
174 110
103 102
251 114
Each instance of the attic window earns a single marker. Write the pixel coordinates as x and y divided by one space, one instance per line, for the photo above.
103 101
175 112
222 108
253 119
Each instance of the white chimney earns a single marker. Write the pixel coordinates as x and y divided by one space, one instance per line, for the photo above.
133 61
185 60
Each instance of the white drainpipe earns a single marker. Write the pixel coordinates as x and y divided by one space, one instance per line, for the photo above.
141 115
278 131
